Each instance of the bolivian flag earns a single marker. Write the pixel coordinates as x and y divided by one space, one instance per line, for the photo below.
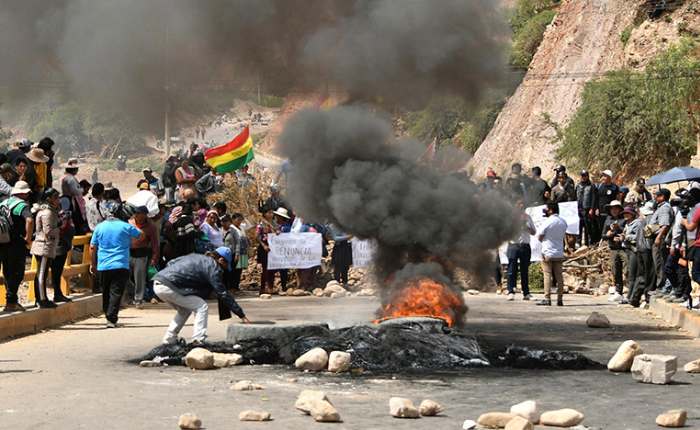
231 156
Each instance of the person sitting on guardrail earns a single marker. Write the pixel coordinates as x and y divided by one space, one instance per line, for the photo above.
13 254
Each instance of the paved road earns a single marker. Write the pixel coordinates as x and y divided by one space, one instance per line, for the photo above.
77 377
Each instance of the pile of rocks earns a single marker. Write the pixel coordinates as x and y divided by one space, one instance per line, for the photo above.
524 416
202 359
333 289
400 407
645 368
317 360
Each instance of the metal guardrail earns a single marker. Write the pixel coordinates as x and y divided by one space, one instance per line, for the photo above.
69 271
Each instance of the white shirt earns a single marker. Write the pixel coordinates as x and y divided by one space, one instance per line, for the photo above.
216 236
551 234
145 198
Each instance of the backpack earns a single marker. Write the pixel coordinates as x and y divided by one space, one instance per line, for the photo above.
6 208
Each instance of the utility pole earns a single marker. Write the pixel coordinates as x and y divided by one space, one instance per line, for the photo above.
167 91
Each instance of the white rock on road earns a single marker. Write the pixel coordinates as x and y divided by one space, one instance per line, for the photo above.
654 368
561 418
306 398
265 296
598 320
226 360
318 292
246 386
495 420
469 425
672 419
400 407
189 422
692 367
251 415
200 359
430 408
150 363
624 357
323 411
339 361
333 287
527 410
314 360
519 423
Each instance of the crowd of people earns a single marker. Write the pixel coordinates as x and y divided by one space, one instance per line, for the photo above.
650 237
143 247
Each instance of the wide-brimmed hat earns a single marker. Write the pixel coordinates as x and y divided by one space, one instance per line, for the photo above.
283 212
37 155
21 187
108 186
613 204
629 210
72 163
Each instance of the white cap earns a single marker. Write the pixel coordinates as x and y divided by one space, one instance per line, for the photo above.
608 173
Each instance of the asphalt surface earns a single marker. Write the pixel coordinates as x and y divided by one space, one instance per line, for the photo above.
78 377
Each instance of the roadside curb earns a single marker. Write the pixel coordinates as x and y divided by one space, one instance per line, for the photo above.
677 315
35 319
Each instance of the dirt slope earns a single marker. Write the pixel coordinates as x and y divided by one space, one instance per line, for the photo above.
582 42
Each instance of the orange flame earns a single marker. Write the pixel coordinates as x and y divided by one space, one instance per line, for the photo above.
424 298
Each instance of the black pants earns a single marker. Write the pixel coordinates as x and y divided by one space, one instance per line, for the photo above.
589 227
600 226
13 257
518 262
645 277
340 273
112 283
57 265
235 279
42 275
632 271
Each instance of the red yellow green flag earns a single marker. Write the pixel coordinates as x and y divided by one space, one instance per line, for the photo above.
233 155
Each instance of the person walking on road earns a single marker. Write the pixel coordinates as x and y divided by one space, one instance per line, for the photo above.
552 233
187 282
110 246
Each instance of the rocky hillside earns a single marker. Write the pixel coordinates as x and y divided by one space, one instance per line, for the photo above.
582 42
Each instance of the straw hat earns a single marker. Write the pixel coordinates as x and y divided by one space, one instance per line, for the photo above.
37 155
72 164
21 187
284 213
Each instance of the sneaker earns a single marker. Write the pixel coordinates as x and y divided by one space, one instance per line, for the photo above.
14 307
110 324
527 297
615 297
624 301
511 297
545 302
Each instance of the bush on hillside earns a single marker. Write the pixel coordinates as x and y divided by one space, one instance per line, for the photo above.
636 120
529 20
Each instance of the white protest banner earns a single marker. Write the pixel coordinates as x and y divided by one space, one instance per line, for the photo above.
568 211
294 251
362 252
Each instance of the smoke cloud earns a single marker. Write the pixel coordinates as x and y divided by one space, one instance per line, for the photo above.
350 170
127 53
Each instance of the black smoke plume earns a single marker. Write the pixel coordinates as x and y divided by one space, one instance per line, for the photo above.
131 54
350 170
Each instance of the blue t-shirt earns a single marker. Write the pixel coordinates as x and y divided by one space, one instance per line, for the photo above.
113 240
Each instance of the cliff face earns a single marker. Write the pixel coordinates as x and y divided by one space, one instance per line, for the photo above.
582 42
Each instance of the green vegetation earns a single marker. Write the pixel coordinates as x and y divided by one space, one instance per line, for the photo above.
451 120
536 278
632 120
626 34
529 20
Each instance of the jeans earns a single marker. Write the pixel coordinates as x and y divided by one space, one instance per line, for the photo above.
13 257
184 306
518 258
671 270
631 272
553 273
57 265
139 268
617 261
112 282
659 255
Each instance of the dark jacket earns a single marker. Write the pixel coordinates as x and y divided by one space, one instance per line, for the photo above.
586 195
604 195
198 275
168 176
616 225
538 187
